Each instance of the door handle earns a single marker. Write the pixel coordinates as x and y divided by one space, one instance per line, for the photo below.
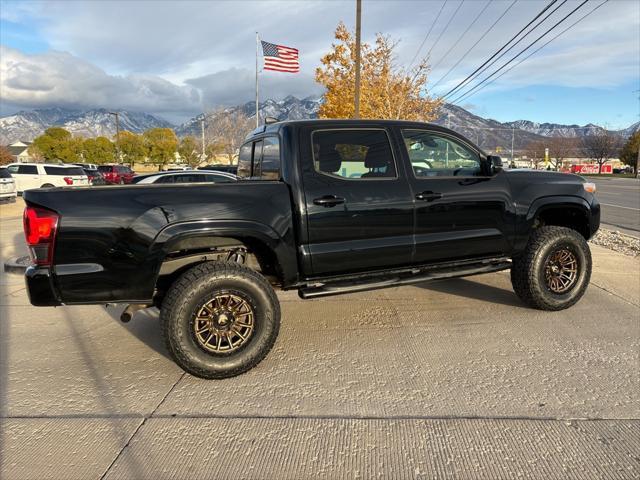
328 201
428 196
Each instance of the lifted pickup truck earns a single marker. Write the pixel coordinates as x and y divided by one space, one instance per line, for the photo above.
324 207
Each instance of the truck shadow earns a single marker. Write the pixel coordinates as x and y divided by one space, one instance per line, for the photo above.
145 326
463 287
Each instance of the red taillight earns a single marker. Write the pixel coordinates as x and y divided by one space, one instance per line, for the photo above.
40 227
68 180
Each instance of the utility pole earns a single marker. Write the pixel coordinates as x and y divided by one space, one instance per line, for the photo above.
117 115
203 157
356 111
257 105
513 134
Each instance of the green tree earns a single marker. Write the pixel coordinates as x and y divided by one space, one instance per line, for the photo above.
132 147
98 150
188 150
629 152
56 143
161 145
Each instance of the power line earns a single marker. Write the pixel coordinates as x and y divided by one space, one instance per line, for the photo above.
467 95
445 28
522 51
466 80
546 17
428 33
463 34
475 44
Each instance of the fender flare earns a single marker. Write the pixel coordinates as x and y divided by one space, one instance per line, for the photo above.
542 204
554 202
185 235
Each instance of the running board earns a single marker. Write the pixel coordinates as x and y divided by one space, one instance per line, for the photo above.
337 288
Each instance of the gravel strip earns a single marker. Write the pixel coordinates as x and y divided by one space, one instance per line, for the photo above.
617 241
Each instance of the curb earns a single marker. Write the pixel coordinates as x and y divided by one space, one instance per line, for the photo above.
17 265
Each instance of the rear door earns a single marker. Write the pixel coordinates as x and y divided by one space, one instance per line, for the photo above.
26 176
462 210
359 207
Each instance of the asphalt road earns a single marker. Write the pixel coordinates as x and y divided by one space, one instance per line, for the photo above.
454 379
620 201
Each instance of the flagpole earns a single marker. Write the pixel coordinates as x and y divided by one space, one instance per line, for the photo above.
257 107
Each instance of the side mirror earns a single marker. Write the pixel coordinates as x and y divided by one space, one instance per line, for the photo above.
495 163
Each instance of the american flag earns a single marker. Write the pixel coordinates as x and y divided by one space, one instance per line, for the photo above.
280 58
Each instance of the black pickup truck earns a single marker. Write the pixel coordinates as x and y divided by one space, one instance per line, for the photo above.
324 207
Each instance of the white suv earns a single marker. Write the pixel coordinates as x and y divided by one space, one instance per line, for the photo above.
37 175
7 185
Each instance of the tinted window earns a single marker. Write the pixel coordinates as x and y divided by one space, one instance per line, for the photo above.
189 178
270 165
123 169
165 179
244 160
217 179
434 155
104 168
67 171
353 154
4 173
27 170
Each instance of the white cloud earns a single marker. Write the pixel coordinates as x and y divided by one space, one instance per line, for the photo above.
61 79
179 58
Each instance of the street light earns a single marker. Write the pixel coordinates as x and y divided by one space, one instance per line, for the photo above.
117 115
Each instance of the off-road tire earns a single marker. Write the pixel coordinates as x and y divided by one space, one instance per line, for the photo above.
190 291
528 269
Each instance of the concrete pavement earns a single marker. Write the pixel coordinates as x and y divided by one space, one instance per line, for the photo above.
454 379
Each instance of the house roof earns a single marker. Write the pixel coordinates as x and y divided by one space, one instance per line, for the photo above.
17 150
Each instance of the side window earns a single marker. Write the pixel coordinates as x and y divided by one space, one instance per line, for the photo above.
166 179
13 168
434 155
270 165
28 169
354 154
244 160
217 179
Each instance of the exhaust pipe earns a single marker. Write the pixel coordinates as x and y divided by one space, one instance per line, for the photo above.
130 311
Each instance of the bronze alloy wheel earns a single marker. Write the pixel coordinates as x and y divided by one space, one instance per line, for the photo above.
561 270
224 324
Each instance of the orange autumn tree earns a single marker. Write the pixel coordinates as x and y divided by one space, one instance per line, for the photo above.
386 90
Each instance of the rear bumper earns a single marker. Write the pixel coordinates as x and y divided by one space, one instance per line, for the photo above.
6 195
40 287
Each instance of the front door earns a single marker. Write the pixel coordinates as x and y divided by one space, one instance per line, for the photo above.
462 209
359 209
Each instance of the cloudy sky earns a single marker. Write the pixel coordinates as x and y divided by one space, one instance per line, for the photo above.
175 59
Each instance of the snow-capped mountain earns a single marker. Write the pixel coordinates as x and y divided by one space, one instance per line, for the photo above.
26 125
289 108
487 133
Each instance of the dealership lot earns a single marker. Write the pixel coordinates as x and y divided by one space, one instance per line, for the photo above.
455 379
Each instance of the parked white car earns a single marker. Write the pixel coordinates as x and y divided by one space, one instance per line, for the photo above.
43 175
7 185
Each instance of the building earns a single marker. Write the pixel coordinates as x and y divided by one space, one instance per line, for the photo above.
19 151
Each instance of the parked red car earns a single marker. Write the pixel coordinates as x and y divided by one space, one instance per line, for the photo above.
116 174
